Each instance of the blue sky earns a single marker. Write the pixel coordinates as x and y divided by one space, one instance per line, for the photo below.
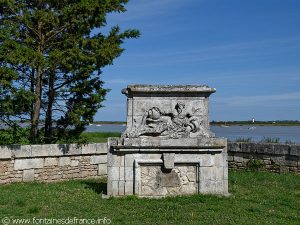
249 50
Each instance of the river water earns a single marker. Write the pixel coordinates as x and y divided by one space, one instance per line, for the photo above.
257 133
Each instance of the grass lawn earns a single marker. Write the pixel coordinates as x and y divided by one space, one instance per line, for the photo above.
99 137
257 198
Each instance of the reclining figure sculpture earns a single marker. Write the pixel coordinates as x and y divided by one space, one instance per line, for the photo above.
155 122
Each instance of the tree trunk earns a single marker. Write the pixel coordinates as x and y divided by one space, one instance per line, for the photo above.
32 90
37 106
38 88
49 120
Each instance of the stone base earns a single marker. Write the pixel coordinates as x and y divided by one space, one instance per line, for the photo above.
156 172
155 181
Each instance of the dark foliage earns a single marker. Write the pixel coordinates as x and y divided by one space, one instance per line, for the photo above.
51 56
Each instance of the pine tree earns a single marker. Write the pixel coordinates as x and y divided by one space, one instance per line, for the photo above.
51 60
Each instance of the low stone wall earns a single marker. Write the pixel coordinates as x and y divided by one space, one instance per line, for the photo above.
63 162
52 162
263 156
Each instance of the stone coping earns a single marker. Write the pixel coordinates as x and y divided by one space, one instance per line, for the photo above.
157 142
179 149
135 88
51 150
265 148
167 147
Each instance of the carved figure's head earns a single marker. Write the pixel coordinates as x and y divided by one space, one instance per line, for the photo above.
179 107
154 113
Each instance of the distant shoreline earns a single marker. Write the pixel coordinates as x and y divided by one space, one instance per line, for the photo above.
109 122
215 123
256 123
227 123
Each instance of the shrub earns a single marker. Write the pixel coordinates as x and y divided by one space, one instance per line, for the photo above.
270 140
243 139
255 164
14 135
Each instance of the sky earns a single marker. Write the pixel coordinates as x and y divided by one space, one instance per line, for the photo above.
249 50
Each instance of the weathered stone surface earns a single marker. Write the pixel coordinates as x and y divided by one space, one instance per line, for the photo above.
130 158
238 157
24 151
273 156
41 150
266 148
295 150
291 161
155 182
129 185
171 113
22 164
278 159
89 149
5 152
28 175
102 169
169 159
74 163
234 147
64 161
248 147
129 173
113 173
166 142
114 188
230 158
122 173
204 159
121 187
115 160
4 167
51 161
101 148
171 89
281 149
97 159
75 149
208 186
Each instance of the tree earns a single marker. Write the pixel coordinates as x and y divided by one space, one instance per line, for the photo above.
51 56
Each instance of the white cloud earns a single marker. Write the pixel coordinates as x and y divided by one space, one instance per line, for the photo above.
261 49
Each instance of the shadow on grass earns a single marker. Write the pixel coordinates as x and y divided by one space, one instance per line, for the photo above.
99 187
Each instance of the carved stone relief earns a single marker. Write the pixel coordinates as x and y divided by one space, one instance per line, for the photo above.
156 122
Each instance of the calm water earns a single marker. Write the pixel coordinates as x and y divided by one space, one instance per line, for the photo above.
290 133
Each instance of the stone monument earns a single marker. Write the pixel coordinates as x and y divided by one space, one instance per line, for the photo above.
167 147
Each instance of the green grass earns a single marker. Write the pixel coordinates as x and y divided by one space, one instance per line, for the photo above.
270 140
243 139
99 137
257 198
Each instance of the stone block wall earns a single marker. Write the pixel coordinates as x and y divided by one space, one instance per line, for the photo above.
52 162
63 162
264 156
